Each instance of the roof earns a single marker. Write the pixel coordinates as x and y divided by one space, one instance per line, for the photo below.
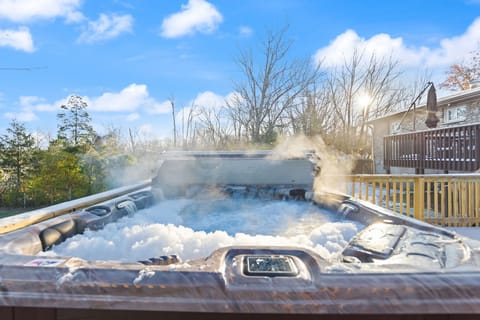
452 98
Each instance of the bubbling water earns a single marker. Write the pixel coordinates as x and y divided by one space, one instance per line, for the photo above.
192 229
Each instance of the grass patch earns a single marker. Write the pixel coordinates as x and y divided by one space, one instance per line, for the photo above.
6 212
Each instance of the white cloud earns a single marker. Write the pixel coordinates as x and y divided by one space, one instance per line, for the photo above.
132 117
74 17
146 129
160 108
27 101
19 39
449 51
129 99
23 115
106 27
29 10
245 31
204 100
195 16
29 105
232 97
34 103
208 99
453 49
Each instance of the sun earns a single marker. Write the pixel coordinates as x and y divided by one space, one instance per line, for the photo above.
364 99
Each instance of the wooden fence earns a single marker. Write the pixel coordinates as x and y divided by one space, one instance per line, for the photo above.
445 200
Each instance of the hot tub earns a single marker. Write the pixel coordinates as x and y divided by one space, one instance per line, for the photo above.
393 265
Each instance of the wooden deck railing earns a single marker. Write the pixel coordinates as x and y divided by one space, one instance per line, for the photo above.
452 148
445 200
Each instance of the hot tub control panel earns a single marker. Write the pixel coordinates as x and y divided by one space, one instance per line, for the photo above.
269 266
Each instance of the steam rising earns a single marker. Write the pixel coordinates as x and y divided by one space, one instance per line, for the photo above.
193 229
141 169
333 165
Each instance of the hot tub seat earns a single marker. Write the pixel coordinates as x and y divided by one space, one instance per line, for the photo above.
44 235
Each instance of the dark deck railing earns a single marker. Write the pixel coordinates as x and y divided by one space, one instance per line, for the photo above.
452 148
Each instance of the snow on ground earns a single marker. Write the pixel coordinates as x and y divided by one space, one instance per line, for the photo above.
471 232
195 228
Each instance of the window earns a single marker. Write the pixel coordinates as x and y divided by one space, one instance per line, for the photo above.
455 114
395 127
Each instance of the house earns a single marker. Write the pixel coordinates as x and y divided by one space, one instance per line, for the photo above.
402 143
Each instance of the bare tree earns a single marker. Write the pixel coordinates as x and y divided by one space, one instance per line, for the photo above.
205 126
172 104
213 127
271 86
189 119
133 143
361 89
311 116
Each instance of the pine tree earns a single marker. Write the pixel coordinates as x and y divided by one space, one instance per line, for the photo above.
74 127
17 151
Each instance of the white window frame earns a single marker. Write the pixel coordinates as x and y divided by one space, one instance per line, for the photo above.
455 114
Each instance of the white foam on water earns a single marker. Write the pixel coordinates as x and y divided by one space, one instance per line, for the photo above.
193 229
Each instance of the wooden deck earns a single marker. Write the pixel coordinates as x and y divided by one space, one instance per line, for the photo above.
445 200
452 148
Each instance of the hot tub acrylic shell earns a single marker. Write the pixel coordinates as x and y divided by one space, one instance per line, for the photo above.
395 266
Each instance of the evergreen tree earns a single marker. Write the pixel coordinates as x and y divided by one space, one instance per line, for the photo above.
59 176
74 127
17 152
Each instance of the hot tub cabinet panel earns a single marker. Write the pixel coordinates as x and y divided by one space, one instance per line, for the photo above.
219 285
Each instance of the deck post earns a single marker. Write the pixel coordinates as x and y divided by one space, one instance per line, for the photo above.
419 198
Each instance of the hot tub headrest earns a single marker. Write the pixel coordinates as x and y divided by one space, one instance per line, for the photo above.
58 233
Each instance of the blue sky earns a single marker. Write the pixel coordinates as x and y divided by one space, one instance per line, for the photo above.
127 57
